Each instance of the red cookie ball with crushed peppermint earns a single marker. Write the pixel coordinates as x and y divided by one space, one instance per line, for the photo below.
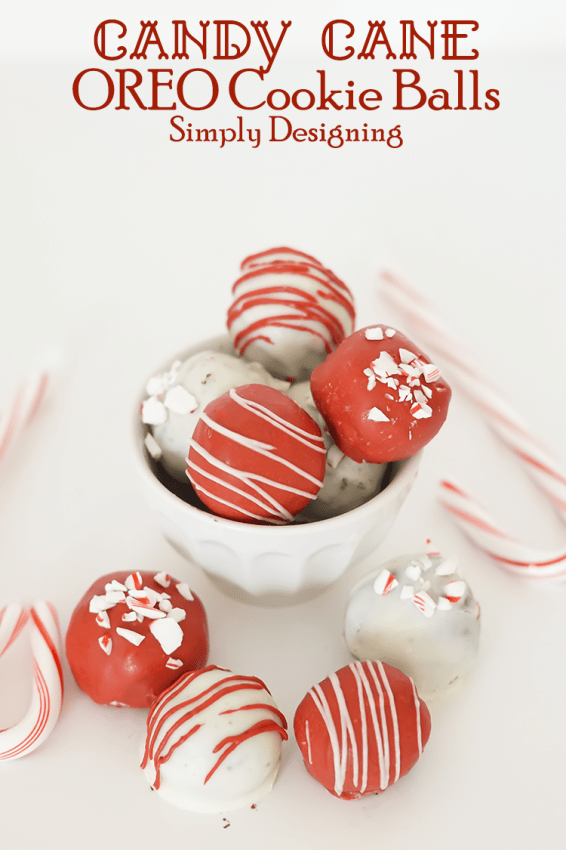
256 456
380 395
361 729
133 634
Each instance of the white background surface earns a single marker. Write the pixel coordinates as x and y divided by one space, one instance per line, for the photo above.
118 248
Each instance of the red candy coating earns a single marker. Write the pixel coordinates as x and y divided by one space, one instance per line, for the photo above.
361 729
114 671
382 399
256 456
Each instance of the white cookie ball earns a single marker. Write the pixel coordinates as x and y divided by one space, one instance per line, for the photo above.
177 398
416 613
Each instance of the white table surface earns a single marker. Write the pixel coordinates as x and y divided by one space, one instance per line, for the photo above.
118 248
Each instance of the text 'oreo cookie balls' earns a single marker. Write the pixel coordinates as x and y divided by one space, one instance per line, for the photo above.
132 635
380 396
361 729
256 456
417 613
288 312
213 741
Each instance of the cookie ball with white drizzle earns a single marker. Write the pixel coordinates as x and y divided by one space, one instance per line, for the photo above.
256 456
177 397
361 729
213 741
417 613
380 396
288 312
133 634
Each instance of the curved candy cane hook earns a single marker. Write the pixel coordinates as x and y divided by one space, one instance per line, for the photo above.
47 695
508 426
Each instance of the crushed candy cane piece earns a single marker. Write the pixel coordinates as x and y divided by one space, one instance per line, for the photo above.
443 604
168 633
407 591
115 585
128 634
454 590
179 400
447 567
334 456
406 356
421 411
103 619
431 372
372 380
105 643
134 581
384 366
130 617
153 411
178 614
384 583
185 592
173 663
374 333
405 393
377 415
425 603
152 446
165 605
390 332
413 571
163 579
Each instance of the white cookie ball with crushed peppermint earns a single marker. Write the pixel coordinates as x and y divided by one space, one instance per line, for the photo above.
417 613
176 399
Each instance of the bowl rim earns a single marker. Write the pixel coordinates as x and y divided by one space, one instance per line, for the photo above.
408 468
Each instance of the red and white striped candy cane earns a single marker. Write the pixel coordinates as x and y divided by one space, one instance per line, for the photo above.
21 409
47 695
507 425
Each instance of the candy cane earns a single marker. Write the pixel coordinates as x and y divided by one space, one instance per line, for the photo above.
513 556
47 694
21 409
507 425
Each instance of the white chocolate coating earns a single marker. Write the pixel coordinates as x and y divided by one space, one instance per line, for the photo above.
213 741
288 312
416 613
204 376
347 484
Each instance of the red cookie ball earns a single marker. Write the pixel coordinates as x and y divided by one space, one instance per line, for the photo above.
256 456
132 635
361 729
381 397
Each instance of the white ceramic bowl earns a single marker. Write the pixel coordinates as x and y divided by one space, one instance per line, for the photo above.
268 565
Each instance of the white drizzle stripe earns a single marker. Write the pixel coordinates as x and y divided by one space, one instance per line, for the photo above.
274 508
395 721
248 477
228 504
363 717
418 718
319 700
246 442
346 730
308 737
295 431
383 773
383 726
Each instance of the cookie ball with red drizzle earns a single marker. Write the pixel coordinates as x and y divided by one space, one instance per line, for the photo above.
133 634
256 456
381 397
213 741
361 729
288 312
